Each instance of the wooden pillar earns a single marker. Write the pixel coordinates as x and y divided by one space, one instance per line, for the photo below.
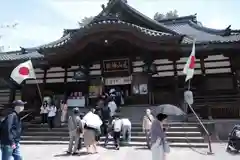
176 89
207 108
12 95
65 82
234 73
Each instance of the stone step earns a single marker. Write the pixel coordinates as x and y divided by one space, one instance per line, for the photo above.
65 133
133 139
172 124
134 129
135 144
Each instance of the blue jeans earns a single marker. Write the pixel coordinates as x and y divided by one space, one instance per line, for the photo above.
8 153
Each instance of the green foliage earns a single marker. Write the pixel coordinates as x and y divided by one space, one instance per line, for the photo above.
171 14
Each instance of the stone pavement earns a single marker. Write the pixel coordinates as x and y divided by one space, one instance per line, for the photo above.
56 152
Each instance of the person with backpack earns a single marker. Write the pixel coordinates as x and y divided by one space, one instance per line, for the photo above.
117 128
75 128
10 132
147 123
106 117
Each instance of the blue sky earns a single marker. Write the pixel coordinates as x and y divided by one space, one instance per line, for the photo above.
42 21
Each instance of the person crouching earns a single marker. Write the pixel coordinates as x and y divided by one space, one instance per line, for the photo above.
126 130
117 128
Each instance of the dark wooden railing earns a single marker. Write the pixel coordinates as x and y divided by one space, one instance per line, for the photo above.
218 106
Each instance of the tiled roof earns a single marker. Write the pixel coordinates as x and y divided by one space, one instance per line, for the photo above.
70 35
18 55
202 34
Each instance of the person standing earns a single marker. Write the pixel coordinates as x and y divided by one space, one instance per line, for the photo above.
51 115
126 129
10 132
75 129
117 128
112 106
159 146
64 110
44 112
146 126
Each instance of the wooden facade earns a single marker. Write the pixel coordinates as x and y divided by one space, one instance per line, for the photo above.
114 50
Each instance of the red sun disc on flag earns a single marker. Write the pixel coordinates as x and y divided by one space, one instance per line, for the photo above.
23 71
192 62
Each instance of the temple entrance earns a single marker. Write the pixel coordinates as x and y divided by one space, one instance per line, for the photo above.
121 86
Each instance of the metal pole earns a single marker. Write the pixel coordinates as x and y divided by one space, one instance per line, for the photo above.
202 125
208 135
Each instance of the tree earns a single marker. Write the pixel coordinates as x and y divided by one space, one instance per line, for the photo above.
171 14
85 21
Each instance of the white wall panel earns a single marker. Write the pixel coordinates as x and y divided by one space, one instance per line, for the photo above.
57 80
138 69
55 69
137 63
217 64
96 72
33 81
163 74
215 57
218 70
57 74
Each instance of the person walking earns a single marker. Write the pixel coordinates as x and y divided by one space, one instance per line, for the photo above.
117 128
159 146
126 129
10 132
44 112
75 129
146 126
91 131
51 115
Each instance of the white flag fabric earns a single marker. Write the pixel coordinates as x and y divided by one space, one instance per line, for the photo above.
190 65
23 71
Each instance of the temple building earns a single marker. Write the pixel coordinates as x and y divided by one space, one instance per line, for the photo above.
142 58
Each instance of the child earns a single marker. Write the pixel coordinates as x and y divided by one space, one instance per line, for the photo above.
117 128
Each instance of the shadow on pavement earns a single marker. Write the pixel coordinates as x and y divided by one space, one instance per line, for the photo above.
142 148
66 155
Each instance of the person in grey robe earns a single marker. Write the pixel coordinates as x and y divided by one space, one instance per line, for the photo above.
158 137
75 128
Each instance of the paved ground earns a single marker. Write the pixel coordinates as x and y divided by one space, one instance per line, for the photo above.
56 152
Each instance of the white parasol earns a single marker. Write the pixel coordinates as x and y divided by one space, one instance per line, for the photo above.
92 120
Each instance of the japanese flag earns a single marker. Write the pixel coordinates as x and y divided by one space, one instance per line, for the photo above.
23 71
190 65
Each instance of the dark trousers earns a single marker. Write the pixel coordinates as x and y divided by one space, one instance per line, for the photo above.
51 122
44 118
105 130
80 144
116 137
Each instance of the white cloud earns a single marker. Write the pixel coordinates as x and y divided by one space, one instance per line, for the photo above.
71 11
28 35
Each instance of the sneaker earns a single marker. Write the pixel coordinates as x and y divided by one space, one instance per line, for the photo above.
74 153
68 152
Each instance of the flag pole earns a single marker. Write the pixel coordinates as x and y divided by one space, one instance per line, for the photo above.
38 88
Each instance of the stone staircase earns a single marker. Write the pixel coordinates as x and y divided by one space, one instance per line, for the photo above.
178 135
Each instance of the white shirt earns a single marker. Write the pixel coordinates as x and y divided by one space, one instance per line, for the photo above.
43 109
117 125
126 122
113 107
52 111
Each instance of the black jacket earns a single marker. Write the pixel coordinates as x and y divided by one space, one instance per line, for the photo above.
11 129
